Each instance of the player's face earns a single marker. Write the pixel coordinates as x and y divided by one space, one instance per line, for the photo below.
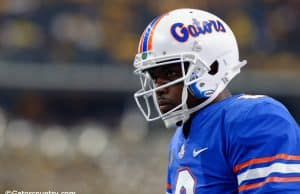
168 97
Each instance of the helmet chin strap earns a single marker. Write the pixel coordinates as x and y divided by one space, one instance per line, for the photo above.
173 121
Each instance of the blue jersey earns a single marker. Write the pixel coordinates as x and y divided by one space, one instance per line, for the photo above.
243 144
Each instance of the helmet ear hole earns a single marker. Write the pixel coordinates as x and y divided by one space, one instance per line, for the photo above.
214 68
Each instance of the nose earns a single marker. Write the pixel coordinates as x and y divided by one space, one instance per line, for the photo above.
160 82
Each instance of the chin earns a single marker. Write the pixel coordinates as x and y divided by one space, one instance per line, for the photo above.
165 108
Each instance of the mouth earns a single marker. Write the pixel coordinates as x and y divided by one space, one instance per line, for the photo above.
165 105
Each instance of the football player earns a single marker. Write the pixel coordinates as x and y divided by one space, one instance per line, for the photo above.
224 143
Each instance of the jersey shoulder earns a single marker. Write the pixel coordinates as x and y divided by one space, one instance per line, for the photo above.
257 117
261 133
253 107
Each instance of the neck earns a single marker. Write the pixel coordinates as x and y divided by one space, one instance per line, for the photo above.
224 94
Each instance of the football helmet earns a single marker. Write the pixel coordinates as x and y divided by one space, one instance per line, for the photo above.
182 36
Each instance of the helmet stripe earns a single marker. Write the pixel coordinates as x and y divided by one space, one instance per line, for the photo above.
147 33
152 32
141 43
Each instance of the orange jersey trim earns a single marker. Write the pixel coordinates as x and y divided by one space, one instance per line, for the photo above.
264 160
268 180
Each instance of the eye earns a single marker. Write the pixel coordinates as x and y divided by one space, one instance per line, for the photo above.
172 75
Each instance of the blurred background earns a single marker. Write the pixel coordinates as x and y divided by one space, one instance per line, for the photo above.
68 121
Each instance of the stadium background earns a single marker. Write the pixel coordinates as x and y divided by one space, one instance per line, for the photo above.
68 121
